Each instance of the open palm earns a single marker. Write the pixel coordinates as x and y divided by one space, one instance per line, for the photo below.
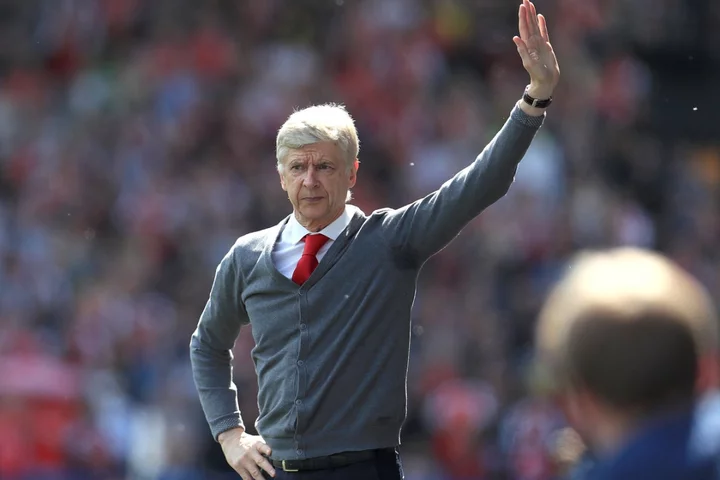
535 49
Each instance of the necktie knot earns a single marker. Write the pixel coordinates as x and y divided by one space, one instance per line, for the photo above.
313 243
308 261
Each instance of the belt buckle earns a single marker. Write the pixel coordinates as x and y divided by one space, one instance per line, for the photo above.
289 470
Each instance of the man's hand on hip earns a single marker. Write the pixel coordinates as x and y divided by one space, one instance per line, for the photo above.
246 454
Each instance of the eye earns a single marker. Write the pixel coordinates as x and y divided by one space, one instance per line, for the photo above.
296 167
324 166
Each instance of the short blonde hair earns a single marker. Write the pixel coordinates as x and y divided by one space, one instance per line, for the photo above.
622 285
319 123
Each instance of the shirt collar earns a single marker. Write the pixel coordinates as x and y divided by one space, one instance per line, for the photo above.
293 232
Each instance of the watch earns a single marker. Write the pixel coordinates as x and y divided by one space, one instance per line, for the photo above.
535 102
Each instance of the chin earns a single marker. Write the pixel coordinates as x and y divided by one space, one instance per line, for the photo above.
314 212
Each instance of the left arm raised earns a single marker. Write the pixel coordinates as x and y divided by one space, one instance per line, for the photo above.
424 227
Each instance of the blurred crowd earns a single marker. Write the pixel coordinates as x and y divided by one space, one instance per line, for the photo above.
137 143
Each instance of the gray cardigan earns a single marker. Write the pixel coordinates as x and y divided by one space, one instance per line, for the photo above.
331 355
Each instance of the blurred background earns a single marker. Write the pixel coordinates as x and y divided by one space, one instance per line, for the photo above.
137 143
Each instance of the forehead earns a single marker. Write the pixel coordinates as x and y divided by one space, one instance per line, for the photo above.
315 152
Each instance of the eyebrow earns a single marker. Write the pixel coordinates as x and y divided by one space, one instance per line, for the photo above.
305 159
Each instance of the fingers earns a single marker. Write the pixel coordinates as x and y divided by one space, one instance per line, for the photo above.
243 473
264 449
523 22
533 18
252 468
532 11
255 473
523 51
264 463
529 21
253 461
543 27
533 45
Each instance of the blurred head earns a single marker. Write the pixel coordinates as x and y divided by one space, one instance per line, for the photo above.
317 151
624 336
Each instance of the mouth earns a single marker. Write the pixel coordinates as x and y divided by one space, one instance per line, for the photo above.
312 199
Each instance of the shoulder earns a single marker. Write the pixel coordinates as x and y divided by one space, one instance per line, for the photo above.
706 434
383 215
252 244
380 214
381 219
669 453
255 240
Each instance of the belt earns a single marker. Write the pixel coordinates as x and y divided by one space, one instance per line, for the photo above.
330 461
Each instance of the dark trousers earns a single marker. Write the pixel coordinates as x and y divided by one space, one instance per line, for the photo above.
385 466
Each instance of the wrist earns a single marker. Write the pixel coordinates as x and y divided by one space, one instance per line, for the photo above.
541 92
230 435
535 100
530 110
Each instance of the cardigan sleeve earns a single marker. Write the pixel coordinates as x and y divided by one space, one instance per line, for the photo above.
211 348
424 227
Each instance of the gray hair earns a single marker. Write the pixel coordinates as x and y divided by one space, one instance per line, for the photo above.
319 123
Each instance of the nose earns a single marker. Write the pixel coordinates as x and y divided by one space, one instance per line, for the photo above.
310 180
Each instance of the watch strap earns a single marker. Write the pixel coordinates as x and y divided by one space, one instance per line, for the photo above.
536 102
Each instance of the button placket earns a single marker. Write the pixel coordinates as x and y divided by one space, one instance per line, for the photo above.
301 362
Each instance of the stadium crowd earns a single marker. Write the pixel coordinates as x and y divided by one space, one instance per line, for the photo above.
137 143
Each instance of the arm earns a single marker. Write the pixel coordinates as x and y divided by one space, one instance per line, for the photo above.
424 227
210 349
421 229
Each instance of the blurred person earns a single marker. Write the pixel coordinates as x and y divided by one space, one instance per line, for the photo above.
329 291
629 340
527 431
458 412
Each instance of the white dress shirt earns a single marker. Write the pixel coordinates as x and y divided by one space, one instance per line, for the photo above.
289 247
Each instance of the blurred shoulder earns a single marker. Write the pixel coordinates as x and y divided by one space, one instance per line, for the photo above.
706 435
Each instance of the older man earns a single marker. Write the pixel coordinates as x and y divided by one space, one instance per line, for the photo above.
630 341
328 292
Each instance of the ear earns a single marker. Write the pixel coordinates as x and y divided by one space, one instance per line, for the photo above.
579 408
570 406
282 180
353 172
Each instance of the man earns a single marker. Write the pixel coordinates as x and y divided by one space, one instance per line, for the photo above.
629 340
329 291
576 460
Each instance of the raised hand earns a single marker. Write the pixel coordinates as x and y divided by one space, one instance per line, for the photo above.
536 52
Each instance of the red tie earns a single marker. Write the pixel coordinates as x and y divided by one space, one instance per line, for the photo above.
308 262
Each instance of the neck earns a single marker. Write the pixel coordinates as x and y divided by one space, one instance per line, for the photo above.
315 226
611 434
